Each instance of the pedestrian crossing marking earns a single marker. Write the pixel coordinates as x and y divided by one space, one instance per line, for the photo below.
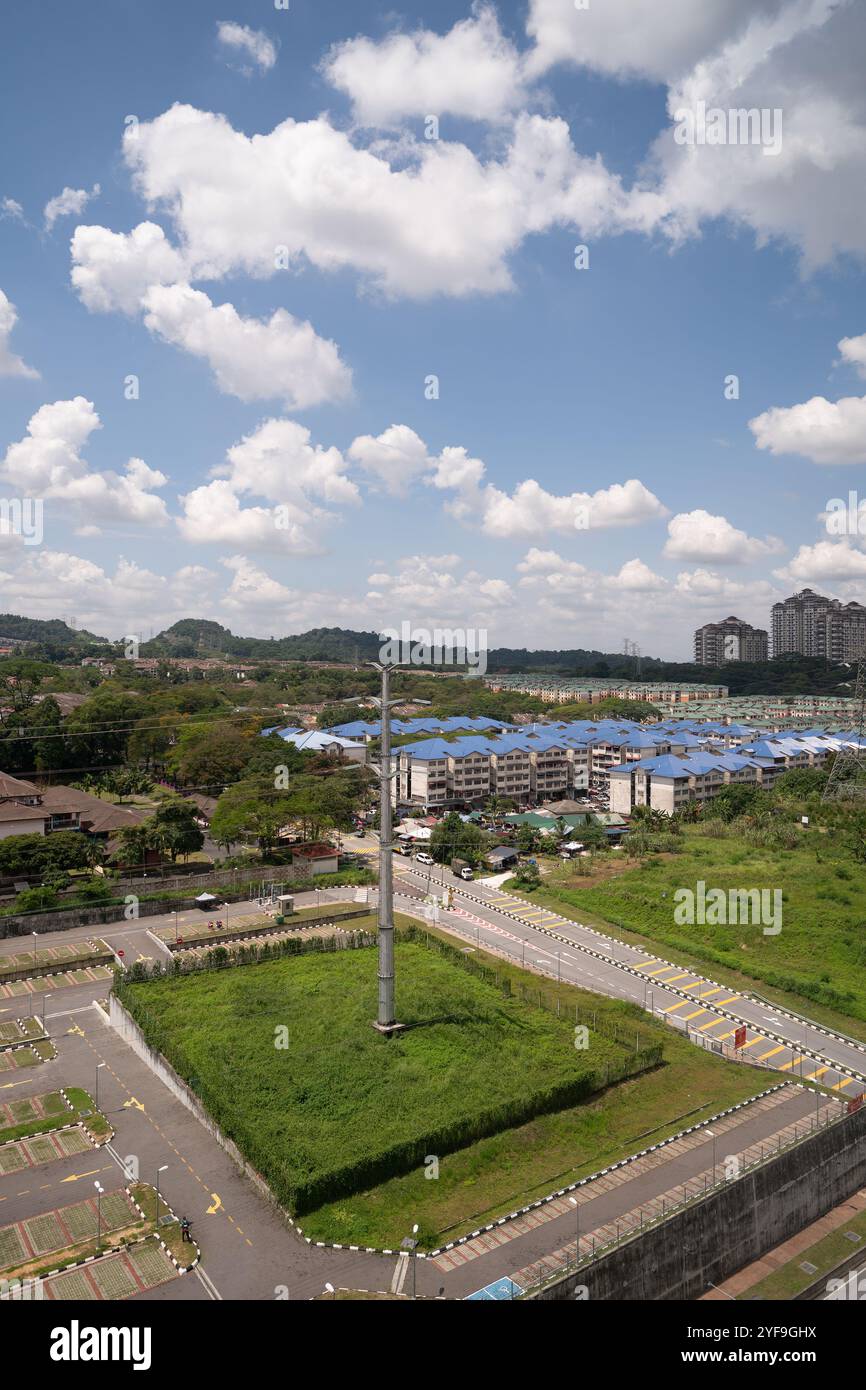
813 1076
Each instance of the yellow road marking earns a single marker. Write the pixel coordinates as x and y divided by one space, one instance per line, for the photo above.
655 969
813 1076
697 1013
673 978
752 1043
846 1081
727 1035
216 1204
793 1062
76 1177
672 1008
705 993
730 1000
772 1053
714 1023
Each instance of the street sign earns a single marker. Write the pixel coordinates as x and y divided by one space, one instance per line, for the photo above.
121 954
740 1037
856 1103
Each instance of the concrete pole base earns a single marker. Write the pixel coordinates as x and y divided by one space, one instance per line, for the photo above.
388 1028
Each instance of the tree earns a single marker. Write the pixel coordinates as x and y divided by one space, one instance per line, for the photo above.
454 838
31 737
528 875
251 809
151 740
174 828
343 714
800 783
737 799
210 756
131 845
37 856
593 836
124 782
528 839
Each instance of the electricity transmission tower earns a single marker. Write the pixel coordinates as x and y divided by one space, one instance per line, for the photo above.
847 780
632 649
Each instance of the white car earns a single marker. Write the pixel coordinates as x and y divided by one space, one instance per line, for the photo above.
424 859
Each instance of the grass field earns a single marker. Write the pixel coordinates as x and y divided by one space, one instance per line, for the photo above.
816 964
523 1163
339 1106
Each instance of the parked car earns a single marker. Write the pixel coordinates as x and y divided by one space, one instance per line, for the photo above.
423 858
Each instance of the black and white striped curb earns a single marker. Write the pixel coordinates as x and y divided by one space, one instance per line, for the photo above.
24 1041
181 1269
840 1067
553 1196
60 1129
30 1042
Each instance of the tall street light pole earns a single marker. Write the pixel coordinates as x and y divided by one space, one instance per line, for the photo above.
386 1019
99 1191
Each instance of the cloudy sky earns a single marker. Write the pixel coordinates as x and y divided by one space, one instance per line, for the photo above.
339 314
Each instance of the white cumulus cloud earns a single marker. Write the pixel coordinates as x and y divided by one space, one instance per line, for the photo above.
700 536
10 363
254 359
253 43
71 202
471 71
48 463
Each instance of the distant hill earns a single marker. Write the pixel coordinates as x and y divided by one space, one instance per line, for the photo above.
192 637
45 632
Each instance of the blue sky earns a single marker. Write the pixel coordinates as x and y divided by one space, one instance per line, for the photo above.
581 476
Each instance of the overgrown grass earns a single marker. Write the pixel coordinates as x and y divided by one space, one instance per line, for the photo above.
817 963
286 1060
523 1163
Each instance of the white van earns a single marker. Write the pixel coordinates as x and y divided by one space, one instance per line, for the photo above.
424 858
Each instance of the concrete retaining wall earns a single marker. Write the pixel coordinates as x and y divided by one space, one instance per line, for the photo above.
54 967
291 924
129 1030
710 1240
